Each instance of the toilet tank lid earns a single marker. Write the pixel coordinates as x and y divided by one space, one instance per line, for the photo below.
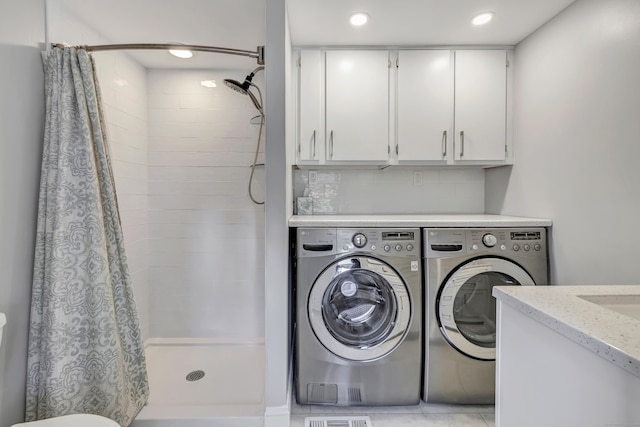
3 320
75 420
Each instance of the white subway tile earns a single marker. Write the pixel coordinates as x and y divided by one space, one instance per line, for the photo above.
200 173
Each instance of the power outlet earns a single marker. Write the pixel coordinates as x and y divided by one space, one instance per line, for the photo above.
313 177
417 178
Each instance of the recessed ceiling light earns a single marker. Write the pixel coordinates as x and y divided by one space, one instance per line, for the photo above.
181 53
359 19
482 18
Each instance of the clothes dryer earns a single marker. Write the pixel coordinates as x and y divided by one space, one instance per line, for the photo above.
461 268
359 323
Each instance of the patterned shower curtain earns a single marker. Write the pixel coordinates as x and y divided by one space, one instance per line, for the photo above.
85 349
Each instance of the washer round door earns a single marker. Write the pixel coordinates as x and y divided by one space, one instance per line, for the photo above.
465 308
359 308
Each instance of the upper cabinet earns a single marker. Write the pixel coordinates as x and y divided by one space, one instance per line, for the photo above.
357 105
433 107
343 107
310 123
480 105
424 106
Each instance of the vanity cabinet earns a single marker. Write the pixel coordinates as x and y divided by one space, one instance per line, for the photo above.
452 107
343 113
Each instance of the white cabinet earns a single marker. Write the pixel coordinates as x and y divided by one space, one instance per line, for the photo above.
544 378
343 107
310 131
357 105
452 107
436 107
424 106
480 105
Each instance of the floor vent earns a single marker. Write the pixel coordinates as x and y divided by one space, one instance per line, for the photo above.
346 421
354 395
195 376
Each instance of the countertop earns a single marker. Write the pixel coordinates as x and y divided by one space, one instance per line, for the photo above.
609 334
480 220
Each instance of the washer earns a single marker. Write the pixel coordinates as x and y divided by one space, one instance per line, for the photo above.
461 268
358 314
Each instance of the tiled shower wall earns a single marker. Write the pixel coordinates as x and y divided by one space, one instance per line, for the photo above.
123 85
394 190
181 154
206 236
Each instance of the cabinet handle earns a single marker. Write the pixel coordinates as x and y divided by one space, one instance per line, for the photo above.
444 144
461 143
331 145
313 142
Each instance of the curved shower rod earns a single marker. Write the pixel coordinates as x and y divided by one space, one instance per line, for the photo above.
258 54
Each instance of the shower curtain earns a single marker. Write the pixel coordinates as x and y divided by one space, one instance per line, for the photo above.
85 349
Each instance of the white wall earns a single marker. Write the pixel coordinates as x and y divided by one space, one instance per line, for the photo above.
21 133
577 141
277 212
206 236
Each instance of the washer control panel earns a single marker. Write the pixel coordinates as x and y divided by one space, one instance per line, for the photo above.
377 241
444 242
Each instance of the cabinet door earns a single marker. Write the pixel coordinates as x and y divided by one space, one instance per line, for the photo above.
357 105
480 105
425 105
310 138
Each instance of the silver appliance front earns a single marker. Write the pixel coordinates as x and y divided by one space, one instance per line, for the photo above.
359 304
356 308
461 268
465 308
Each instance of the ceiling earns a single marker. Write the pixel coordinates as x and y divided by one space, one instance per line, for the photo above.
240 24
418 22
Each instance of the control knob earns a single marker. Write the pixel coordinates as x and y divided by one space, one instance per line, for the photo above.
489 240
359 240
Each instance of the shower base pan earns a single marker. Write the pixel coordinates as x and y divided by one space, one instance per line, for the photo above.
203 382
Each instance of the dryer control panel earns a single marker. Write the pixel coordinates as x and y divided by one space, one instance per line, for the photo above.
524 242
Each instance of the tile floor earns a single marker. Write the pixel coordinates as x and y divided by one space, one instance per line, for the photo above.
422 415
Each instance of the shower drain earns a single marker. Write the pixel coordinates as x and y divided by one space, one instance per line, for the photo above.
195 375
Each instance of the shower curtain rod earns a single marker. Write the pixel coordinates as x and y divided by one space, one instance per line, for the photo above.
258 54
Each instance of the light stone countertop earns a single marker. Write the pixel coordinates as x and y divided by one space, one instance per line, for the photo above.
479 220
569 310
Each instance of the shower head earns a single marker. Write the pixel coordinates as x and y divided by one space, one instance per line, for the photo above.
243 87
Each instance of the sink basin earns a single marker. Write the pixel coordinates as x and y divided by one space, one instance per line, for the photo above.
629 305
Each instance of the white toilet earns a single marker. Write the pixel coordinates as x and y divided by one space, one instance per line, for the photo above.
75 420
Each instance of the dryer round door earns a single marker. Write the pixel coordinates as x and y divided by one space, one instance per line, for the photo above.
359 308
465 308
